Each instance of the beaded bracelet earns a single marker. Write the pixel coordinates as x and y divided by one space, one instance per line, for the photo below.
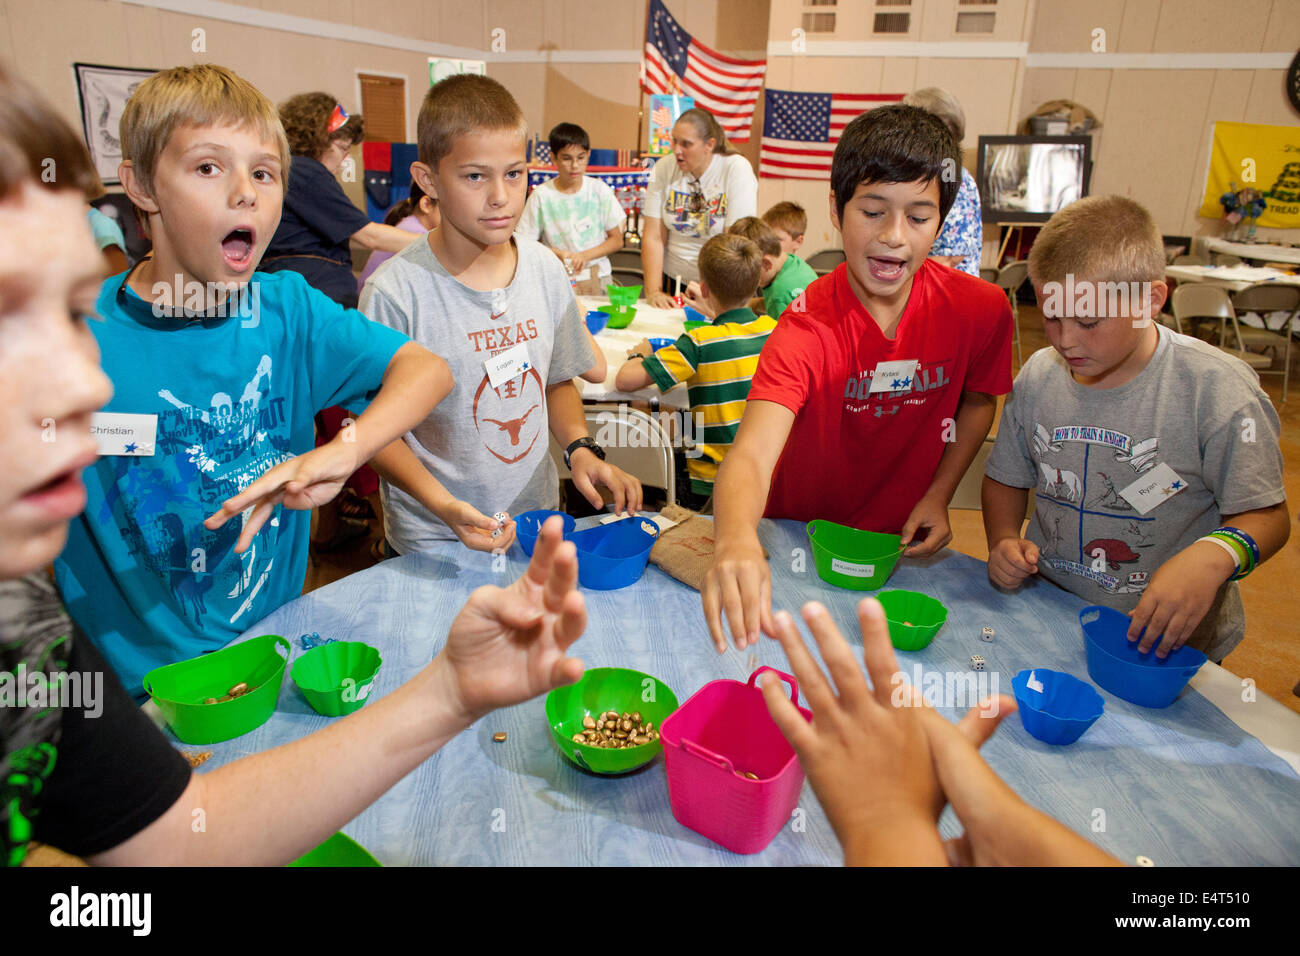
1244 563
1245 539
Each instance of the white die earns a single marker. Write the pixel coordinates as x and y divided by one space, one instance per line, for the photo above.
976 662
986 635
501 516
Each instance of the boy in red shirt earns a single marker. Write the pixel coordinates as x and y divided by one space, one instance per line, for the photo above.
867 407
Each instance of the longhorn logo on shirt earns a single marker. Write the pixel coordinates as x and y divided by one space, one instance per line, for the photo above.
509 418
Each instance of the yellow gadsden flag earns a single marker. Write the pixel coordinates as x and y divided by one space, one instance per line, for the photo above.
1266 158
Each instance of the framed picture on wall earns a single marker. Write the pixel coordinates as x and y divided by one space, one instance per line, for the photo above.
103 91
1025 179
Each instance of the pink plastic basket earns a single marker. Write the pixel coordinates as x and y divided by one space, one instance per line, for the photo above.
709 743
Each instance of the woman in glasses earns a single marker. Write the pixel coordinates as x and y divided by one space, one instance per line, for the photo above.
695 193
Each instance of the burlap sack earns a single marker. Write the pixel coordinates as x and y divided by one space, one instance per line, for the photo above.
685 551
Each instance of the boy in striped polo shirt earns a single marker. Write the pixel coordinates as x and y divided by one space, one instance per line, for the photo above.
715 361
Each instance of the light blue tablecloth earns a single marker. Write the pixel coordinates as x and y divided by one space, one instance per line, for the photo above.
1184 785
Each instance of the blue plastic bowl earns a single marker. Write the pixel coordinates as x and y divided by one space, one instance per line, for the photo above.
1115 664
596 320
695 315
1062 710
660 341
529 525
614 555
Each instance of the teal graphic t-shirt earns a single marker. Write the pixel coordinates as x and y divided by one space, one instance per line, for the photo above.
232 398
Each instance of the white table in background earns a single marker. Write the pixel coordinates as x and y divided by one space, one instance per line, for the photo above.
650 322
1232 278
1263 252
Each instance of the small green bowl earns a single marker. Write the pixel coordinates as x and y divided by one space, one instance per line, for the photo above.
599 690
622 296
695 325
853 559
620 317
180 690
914 618
337 678
338 850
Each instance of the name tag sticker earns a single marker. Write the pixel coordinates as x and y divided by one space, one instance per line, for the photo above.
893 376
120 433
1153 489
851 569
503 367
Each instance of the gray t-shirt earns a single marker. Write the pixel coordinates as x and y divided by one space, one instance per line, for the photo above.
1193 434
488 446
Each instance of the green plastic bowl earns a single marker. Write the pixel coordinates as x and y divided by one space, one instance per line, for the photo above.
338 850
180 689
853 559
622 296
620 317
599 690
695 325
914 618
337 678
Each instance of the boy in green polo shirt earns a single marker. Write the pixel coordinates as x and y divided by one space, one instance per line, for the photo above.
784 275
715 361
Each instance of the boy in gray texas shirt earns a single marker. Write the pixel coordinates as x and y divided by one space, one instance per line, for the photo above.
486 445
1193 429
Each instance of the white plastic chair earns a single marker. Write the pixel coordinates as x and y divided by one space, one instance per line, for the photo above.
633 441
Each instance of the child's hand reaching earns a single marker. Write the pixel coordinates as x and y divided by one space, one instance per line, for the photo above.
1178 595
474 528
1012 560
931 514
306 481
508 645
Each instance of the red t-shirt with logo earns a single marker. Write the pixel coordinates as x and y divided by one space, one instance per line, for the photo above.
865 458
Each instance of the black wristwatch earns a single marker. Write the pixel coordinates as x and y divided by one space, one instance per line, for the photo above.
585 442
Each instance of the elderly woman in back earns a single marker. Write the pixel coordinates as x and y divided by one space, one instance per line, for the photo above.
959 241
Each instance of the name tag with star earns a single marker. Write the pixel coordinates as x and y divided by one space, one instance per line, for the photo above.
894 376
119 433
1153 489
504 366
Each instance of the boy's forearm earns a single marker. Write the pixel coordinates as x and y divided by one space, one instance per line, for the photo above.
564 413
272 807
974 419
1003 508
397 465
415 381
610 246
739 497
1269 527
632 376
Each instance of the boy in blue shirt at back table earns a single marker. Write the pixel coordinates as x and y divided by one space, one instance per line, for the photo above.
218 372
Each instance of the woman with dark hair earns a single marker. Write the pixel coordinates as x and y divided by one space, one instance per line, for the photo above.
316 225
318 218
694 194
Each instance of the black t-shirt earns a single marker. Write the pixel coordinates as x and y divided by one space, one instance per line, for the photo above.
114 774
315 225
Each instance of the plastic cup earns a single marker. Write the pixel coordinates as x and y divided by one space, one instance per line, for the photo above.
623 295
620 317
601 689
337 678
1056 708
914 618
614 555
695 325
660 341
853 559
596 320
529 525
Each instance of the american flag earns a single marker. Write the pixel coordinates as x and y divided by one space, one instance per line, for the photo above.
676 63
800 130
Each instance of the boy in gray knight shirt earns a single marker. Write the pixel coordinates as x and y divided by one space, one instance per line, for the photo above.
503 316
1154 455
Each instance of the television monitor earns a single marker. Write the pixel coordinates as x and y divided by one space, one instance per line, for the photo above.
1025 179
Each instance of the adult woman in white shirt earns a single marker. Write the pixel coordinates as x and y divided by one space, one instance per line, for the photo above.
695 193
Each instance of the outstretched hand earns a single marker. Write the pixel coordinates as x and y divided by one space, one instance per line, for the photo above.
508 645
306 481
